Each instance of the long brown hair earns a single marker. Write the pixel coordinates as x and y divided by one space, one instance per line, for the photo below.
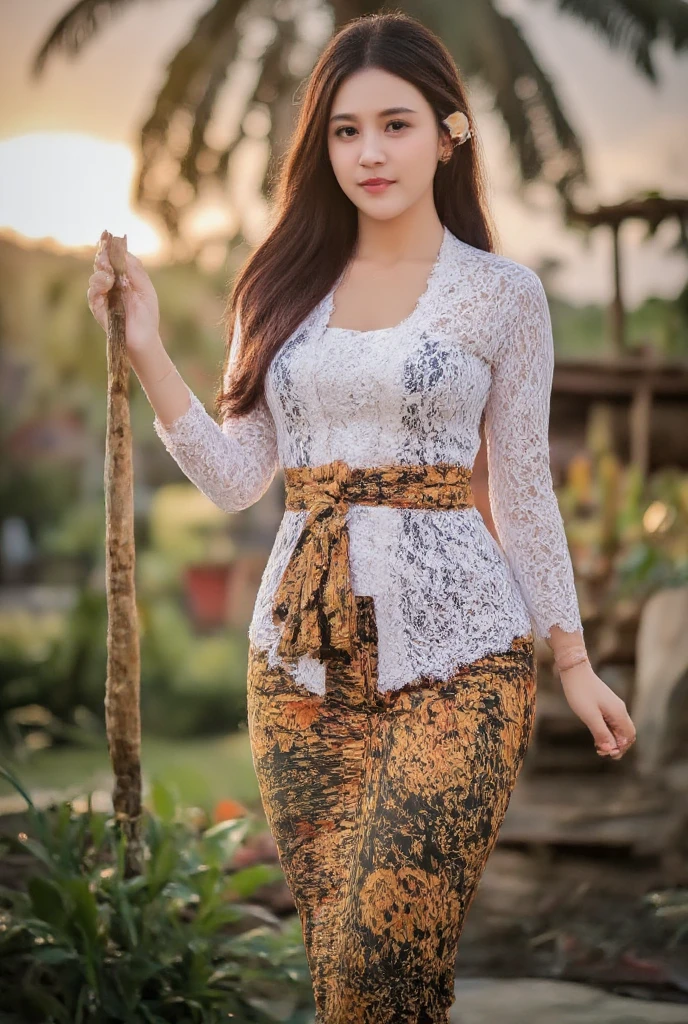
316 224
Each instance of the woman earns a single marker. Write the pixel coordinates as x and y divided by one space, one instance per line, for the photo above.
391 679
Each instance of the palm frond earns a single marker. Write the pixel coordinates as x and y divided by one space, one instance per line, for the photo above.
634 26
77 27
490 47
179 155
176 128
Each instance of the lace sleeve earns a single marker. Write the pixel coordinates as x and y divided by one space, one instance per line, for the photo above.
524 505
232 463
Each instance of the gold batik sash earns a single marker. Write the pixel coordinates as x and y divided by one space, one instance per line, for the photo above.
314 598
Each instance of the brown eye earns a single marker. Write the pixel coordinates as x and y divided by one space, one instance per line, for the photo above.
349 127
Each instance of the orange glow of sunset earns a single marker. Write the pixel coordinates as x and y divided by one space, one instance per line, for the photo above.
69 187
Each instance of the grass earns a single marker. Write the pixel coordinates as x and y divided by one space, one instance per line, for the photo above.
202 771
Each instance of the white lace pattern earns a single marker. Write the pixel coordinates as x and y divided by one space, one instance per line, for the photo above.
445 592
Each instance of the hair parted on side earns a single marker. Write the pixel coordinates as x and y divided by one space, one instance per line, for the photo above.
315 223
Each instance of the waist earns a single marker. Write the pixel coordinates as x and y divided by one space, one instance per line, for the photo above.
314 599
335 484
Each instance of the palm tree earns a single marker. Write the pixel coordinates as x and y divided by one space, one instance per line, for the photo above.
276 42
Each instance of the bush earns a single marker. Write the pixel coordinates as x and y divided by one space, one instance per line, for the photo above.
82 944
190 685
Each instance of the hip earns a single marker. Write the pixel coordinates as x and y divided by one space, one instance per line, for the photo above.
490 698
444 753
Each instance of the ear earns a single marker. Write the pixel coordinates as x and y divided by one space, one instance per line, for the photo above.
444 151
444 145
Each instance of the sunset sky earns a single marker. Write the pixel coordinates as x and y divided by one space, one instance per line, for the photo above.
68 142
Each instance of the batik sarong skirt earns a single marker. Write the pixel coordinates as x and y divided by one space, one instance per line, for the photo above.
384 808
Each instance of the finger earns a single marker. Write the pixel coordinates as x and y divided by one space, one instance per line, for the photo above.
625 736
620 724
134 266
134 275
96 295
102 280
605 741
97 306
102 262
97 292
96 303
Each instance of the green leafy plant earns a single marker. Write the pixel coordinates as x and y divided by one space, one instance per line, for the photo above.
655 552
82 944
190 685
671 905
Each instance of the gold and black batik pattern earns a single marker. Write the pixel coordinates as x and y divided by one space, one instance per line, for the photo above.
384 807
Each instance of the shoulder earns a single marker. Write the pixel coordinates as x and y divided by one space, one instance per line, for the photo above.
497 294
500 275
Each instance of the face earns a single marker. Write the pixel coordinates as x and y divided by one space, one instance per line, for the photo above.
381 126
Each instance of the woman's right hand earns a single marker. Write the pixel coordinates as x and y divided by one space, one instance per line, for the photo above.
140 299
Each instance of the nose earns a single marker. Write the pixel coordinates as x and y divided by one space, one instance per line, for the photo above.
372 151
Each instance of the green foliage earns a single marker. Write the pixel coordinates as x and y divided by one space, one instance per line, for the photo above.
656 526
671 905
202 771
626 528
190 685
83 944
38 491
582 331
58 666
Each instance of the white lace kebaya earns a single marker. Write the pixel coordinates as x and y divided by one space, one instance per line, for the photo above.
445 592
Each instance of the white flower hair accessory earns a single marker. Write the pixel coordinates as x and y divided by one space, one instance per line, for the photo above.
458 126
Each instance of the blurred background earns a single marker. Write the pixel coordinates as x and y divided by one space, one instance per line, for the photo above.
166 122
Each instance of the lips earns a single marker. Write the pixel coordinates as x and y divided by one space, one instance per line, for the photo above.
376 186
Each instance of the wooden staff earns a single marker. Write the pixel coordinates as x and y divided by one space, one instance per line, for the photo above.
122 686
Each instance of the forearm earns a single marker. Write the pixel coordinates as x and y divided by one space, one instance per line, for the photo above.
568 648
162 383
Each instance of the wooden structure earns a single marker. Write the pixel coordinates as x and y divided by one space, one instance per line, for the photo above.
652 391
653 209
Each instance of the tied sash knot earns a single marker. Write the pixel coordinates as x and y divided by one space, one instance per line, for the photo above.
314 599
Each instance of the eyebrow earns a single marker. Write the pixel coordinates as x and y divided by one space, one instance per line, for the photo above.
382 113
